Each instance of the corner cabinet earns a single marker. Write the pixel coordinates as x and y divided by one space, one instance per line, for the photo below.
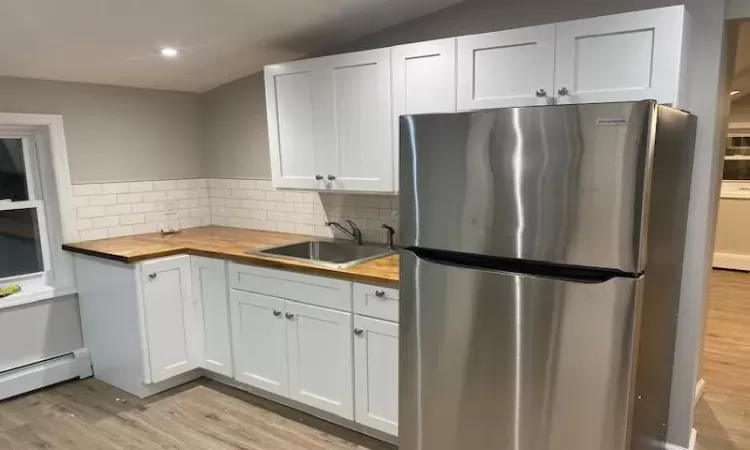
329 123
169 318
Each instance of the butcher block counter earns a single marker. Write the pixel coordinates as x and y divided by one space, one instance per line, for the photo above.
231 244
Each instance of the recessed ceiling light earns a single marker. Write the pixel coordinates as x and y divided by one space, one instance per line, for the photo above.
734 92
168 52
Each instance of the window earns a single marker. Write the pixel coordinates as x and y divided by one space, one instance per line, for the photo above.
36 214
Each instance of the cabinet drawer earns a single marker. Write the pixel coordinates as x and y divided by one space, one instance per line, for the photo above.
376 301
320 291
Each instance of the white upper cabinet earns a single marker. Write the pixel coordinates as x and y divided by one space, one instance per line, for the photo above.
358 88
320 358
507 68
632 56
295 123
259 341
168 315
424 81
212 298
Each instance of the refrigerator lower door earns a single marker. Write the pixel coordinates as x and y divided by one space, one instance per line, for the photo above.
499 361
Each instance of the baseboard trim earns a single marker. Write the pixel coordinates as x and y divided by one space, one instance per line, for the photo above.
734 261
700 388
30 377
693 439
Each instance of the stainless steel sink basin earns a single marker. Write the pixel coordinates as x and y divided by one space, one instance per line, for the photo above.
334 254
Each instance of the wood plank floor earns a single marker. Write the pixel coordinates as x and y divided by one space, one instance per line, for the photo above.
722 416
209 416
203 415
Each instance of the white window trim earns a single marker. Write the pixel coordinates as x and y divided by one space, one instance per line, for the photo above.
49 132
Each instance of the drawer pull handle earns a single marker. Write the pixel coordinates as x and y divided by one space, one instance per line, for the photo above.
358 331
276 312
152 275
380 294
289 316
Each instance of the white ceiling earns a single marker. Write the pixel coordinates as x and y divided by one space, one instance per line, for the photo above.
115 41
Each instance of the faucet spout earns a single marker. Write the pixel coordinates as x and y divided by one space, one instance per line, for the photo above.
355 234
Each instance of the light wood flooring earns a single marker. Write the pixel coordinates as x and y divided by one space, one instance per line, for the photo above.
203 415
206 415
722 416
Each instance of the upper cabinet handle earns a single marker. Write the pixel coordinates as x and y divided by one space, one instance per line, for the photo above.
152 275
318 177
331 177
380 294
563 91
541 93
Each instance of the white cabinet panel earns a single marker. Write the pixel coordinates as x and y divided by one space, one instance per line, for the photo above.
624 57
376 374
376 301
320 358
169 317
212 298
295 123
359 91
506 68
259 341
424 81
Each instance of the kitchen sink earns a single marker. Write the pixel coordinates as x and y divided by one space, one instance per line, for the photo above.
334 254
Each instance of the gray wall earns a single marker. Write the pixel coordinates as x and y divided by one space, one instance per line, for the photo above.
116 133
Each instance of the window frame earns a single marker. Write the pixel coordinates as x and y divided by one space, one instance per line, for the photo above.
50 193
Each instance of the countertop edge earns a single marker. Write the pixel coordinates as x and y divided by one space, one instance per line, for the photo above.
241 259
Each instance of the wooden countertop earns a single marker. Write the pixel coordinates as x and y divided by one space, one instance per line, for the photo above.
231 244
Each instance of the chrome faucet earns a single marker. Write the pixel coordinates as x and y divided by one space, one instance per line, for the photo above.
355 234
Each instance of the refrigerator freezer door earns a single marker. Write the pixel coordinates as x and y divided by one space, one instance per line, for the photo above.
562 184
496 361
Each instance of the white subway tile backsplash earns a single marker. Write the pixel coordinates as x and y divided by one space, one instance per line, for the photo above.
141 186
80 201
116 210
90 235
154 196
132 219
126 230
165 185
84 224
144 207
91 211
115 188
87 189
276 196
130 198
101 200
264 185
106 222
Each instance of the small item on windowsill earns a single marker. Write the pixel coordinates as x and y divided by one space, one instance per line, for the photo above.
9 290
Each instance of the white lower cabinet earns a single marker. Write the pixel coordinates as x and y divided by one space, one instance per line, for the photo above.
376 374
169 319
211 295
259 341
320 362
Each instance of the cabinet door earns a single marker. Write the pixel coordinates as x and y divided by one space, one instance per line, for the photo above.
358 89
212 298
259 341
624 57
424 81
320 358
376 374
507 68
169 318
296 119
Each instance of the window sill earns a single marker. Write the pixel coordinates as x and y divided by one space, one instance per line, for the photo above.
26 297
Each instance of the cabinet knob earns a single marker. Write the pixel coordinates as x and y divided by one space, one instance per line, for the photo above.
276 312
358 331
289 316
380 294
541 93
563 91
318 177
152 275
331 177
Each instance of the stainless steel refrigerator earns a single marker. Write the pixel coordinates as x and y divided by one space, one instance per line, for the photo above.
540 275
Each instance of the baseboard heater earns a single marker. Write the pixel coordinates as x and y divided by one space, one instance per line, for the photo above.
19 380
